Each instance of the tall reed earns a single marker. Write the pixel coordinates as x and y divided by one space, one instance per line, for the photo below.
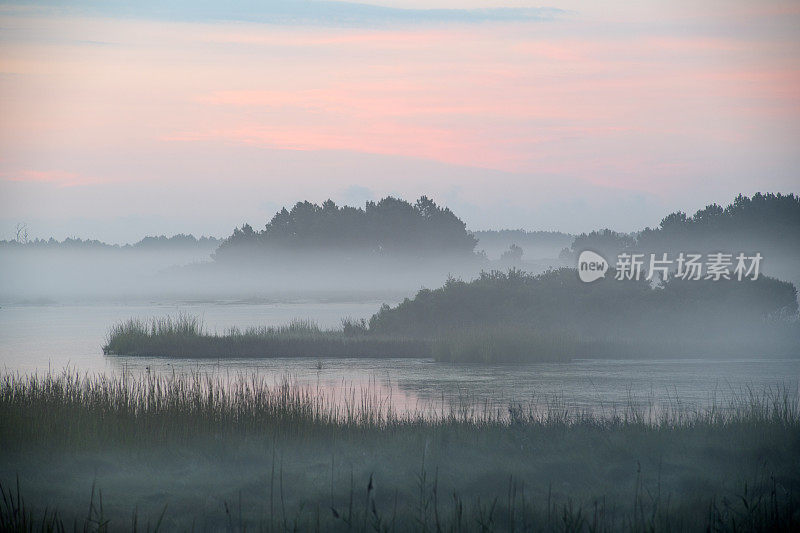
186 336
151 407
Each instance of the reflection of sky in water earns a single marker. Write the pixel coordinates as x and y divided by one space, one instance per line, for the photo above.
55 337
600 387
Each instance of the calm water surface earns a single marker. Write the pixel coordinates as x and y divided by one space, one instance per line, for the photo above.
54 337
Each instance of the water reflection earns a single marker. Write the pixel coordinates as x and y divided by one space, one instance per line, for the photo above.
38 339
424 386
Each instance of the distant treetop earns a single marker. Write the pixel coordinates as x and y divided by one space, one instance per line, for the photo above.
147 243
762 222
389 227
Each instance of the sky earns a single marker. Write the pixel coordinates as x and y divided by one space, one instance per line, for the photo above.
120 119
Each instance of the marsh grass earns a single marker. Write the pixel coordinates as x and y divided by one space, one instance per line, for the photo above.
185 336
530 467
763 506
507 344
523 344
157 406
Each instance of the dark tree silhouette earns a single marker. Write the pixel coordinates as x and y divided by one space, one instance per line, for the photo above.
389 227
512 256
557 301
764 222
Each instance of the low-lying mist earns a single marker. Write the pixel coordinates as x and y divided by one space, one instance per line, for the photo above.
59 276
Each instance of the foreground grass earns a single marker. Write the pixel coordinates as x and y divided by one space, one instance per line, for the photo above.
187 452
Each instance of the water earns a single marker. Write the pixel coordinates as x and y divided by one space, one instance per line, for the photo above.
54 337
38 337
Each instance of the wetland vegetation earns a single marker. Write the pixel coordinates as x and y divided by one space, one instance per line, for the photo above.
515 317
189 452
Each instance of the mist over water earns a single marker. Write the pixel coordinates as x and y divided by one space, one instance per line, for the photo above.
164 373
54 338
472 266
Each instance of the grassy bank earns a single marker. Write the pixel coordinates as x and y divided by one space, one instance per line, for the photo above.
185 336
522 344
199 454
517 317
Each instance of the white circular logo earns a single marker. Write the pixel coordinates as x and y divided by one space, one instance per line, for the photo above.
591 266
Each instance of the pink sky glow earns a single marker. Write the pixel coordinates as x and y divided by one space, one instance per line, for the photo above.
670 108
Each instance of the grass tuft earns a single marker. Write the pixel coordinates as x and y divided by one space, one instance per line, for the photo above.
186 336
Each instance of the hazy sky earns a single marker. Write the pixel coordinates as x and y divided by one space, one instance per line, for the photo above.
120 119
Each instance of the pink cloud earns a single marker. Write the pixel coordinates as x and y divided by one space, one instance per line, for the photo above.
588 102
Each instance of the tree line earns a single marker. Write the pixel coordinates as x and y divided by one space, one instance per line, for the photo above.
557 301
390 227
159 242
764 222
